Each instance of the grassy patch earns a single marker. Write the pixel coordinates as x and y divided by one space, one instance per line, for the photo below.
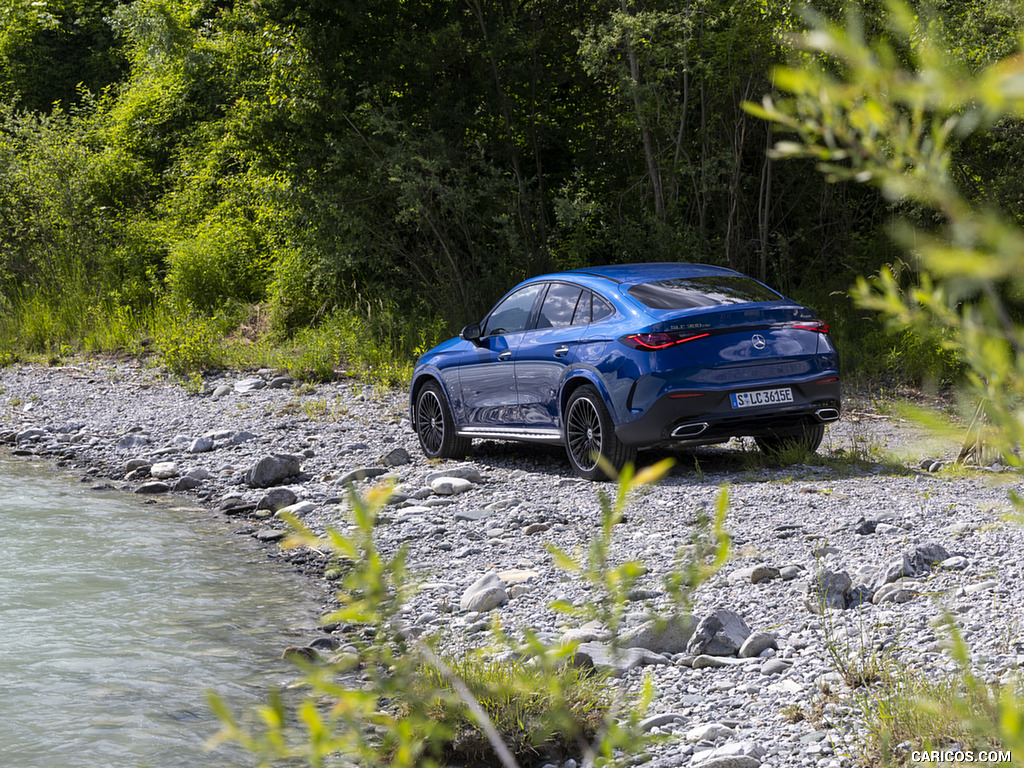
539 714
904 711
931 713
380 346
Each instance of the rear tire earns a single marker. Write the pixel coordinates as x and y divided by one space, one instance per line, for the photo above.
435 426
806 438
590 432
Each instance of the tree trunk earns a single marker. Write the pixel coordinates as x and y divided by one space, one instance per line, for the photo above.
650 154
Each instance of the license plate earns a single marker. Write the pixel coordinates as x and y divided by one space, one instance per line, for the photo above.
761 397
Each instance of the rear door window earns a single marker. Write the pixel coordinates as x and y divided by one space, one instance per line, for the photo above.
705 291
559 307
591 309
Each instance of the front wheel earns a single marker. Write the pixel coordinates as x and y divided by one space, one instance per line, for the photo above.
435 426
590 434
806 438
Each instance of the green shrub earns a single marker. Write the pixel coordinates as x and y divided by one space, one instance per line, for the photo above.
294 300
221 262
375 343
187 341
893 111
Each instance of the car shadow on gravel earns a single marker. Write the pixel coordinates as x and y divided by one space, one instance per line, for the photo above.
738 460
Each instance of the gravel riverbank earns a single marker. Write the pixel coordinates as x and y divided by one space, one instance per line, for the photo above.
889 545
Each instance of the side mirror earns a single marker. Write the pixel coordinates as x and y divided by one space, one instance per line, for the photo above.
471 333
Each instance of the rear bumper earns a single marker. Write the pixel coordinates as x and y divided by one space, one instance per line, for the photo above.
711 417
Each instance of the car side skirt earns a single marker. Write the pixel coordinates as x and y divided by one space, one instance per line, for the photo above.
512 433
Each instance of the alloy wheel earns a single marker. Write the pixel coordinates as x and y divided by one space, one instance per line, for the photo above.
583 433
430 422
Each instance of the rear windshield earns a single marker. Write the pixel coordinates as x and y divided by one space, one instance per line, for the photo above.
708 291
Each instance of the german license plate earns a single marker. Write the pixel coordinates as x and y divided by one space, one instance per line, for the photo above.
761 397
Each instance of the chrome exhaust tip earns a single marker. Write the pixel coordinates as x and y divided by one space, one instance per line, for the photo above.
826 415
689 430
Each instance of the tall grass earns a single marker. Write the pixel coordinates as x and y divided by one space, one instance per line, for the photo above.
374 341
35 323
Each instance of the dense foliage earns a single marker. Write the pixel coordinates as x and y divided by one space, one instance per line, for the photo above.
406 162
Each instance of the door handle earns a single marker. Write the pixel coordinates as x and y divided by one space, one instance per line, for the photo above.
505 355
562 351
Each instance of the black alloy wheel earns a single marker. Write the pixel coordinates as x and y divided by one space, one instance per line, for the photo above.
435 426
590 433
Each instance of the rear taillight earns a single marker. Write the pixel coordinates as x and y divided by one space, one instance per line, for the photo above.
654 341
811 325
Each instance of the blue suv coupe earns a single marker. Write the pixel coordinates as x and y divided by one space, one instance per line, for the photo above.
607 360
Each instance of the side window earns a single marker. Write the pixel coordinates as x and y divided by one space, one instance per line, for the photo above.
582 316
512 314
559 306
602 309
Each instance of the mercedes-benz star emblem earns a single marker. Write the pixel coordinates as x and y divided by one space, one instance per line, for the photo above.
758 341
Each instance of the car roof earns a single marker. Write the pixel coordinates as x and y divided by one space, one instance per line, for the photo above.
643 273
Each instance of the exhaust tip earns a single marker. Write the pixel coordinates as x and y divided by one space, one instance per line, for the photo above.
689 430
826 415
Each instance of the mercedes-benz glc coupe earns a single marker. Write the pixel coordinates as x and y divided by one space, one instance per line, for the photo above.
607 360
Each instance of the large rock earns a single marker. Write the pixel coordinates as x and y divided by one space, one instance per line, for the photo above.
133 465
201 445
153 487
754 574
738 754
272 469
450 486
396 457
277 498
250 385
661 636
614 661
484 594
163 470
298 509
758 643
827 589
720 633
186 483
914 563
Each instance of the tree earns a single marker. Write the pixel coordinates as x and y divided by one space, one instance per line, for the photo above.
892 112
49 50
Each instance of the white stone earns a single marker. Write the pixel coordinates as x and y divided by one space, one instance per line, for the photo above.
484 594
299 509
709 732
450 486
164 470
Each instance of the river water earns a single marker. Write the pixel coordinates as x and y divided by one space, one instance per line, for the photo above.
116 617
